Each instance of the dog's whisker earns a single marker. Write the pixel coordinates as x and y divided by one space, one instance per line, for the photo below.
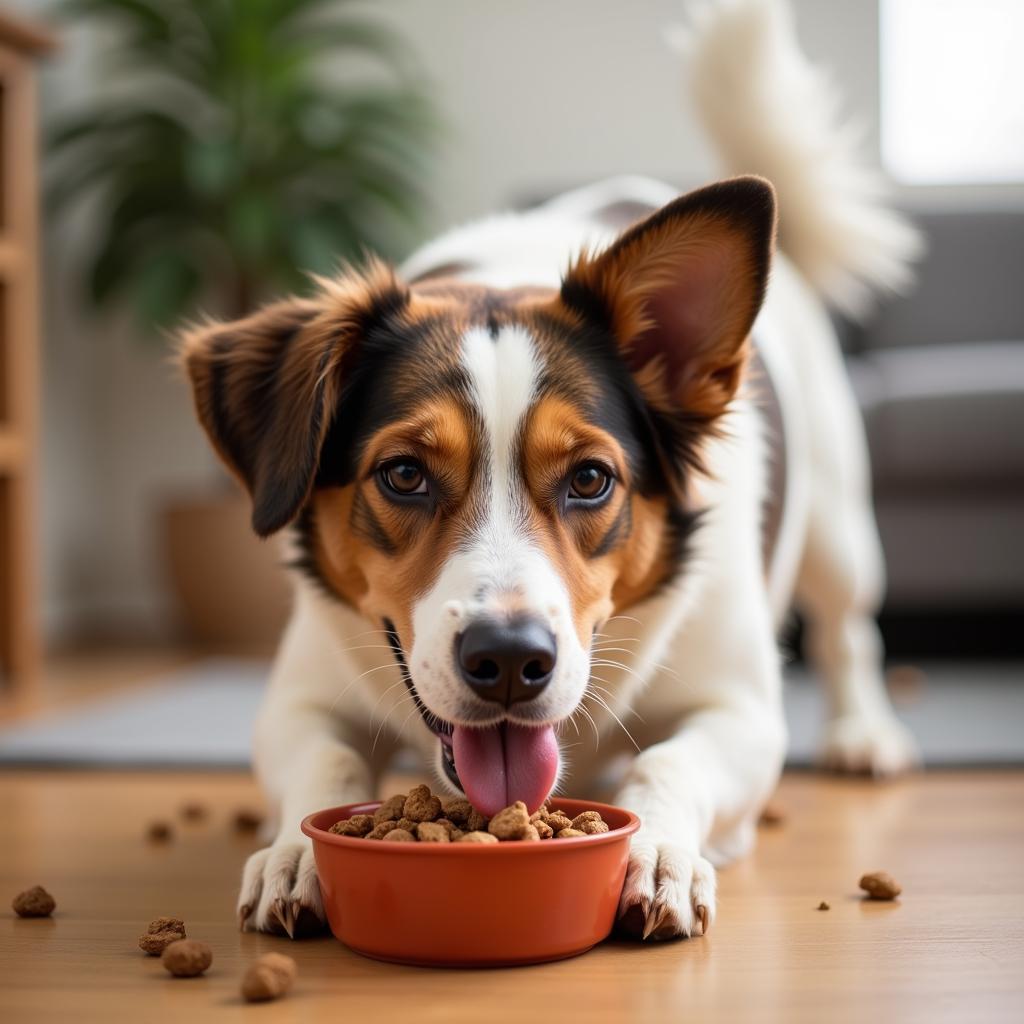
612 650
405 722
625 618
590 718
603 703
611 663
391 711
611 696
619 665
366 632
366 647
373 711
369 671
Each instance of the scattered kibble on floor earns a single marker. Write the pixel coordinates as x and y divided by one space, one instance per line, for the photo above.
194 811
34 902
880 885
187 958
160 934
247 821
268 978
159 832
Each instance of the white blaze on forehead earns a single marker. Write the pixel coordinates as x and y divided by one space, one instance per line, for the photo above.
501 568
503 374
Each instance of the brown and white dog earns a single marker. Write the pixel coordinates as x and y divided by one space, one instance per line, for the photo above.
520 495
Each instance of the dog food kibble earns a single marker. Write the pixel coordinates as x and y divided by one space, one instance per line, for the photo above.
269 978
159 832
357 825
477 837
477 822
457 810
589 823
187 958
246 821
772 816
420 805
399 835
381 830
193 812
391 809
160 934
421 817
34 902
431 832
880 885
824 906
511 823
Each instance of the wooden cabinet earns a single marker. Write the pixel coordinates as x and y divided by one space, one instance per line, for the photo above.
20 45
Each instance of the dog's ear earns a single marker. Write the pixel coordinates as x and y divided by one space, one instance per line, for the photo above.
266 387
679 293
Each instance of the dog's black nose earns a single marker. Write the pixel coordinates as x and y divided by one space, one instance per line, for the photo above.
506 661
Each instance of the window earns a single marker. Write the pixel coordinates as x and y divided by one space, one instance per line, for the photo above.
952 91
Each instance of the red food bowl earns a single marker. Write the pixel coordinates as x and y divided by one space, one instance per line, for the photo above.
470 905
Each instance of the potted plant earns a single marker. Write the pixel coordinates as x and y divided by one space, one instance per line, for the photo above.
234 147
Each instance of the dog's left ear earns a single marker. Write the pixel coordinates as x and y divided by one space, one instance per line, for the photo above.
679 293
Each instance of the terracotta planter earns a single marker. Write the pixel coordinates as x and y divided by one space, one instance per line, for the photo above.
231 589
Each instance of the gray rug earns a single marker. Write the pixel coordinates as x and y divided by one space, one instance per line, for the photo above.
202 717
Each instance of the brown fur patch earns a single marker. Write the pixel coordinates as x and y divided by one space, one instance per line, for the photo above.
680 292
383 578
557 438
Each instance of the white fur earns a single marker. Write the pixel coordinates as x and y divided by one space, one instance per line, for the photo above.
771 112
500 568
693 673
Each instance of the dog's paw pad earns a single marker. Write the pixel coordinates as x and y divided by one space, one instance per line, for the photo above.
280 893
669 893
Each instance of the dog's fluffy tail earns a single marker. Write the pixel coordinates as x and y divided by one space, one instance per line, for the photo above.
769 111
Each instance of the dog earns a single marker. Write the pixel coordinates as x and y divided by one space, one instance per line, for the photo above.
559 479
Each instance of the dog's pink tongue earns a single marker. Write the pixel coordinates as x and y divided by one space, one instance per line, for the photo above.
505 763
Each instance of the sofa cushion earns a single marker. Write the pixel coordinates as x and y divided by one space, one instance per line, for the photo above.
944 416
968 285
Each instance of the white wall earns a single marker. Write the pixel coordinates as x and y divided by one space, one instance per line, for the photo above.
538 95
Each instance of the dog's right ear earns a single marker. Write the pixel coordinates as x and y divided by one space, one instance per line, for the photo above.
266 387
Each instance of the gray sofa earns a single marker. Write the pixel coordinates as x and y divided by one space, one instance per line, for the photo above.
940 376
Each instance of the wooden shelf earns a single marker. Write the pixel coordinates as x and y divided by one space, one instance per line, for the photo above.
12 452
19 357
11 259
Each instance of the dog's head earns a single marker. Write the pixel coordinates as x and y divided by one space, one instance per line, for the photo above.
490 475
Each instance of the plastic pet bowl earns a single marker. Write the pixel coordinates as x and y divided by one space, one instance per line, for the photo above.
470 905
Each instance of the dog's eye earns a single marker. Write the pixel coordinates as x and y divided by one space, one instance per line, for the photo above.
589 483
404 477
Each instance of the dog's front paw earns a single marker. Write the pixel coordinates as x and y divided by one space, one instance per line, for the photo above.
280 892
880 746
669 889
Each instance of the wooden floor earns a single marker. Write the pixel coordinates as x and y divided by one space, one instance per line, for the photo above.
951 949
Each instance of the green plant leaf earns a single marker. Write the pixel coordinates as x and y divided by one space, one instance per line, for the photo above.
235 144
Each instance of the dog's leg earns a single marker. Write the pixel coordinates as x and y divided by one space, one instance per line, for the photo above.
307 759
839 588
698 795
280 892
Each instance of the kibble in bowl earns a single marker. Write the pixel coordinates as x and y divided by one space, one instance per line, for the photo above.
504 890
